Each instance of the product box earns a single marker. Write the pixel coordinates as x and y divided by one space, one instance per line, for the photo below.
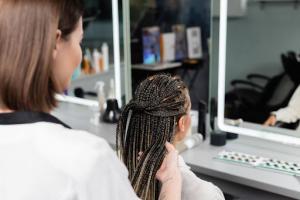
194 42
151 45
167 47
180 41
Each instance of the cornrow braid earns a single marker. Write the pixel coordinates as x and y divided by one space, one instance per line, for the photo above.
147 122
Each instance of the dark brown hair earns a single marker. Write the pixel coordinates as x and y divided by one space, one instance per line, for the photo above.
146 123
27 38
70 13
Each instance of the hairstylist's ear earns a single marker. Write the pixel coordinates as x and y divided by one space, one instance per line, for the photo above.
57 43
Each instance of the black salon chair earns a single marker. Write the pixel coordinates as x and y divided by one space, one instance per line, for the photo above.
254 98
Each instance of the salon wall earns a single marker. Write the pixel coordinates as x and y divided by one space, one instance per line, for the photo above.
265 34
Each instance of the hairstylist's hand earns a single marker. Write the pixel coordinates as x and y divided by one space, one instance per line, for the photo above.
169 175
271 121
169 167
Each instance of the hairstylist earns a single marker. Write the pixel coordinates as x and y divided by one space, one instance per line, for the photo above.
41 157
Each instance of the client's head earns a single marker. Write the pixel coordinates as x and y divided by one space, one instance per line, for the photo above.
158 112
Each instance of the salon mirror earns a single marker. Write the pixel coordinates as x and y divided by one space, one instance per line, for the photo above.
256 56
103 51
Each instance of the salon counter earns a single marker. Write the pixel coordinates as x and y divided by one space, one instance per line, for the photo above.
261 184
202 160
79 116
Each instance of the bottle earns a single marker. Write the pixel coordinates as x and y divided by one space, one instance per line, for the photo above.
189 142
89 57
112 112
86 65
95 117
101 95
96 58
105 54
202 110
101 64
217 138
111 92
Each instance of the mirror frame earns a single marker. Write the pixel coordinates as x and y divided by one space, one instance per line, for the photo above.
285 139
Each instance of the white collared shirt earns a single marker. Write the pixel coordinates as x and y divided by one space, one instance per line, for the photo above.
45 161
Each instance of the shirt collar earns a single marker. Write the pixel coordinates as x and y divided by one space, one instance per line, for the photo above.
27 117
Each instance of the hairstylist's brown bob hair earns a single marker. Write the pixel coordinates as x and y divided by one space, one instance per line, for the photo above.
27 37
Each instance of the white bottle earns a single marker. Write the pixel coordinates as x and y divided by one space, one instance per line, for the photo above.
88 55
105 54
101 95
96 58
189 142
111 92
95 117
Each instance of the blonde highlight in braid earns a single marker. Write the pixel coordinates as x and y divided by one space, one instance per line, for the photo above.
147 122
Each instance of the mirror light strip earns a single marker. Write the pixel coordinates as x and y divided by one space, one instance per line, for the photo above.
221 91
222 60
116 41
127 50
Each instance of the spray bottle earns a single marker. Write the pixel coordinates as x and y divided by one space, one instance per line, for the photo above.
105 54
111 92
101 95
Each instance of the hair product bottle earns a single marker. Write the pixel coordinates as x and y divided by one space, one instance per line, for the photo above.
101 95
105 54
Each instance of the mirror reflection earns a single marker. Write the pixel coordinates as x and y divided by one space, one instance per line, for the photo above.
263 66
97 67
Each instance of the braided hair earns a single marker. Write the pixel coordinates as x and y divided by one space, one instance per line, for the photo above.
147 122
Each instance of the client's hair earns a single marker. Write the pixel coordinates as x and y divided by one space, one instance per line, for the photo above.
147 122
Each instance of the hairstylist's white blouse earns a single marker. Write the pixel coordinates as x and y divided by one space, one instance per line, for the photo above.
46 161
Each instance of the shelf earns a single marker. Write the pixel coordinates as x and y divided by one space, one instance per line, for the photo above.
89 76
157 67
263 3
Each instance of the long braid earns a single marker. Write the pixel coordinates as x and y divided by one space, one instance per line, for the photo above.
147 122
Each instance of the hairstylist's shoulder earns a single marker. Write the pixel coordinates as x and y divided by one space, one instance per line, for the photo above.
106 169
78 139
90 162
70 149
